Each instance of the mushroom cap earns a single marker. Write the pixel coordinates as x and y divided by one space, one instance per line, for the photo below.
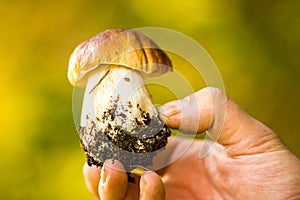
119 47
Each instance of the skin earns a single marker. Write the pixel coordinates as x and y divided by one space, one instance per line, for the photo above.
249 160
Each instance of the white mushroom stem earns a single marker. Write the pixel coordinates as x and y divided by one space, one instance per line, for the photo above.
120 99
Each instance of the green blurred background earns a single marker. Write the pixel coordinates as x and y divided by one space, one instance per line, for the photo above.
255 44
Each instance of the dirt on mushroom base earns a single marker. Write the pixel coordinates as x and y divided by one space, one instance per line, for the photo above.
101 147
131 149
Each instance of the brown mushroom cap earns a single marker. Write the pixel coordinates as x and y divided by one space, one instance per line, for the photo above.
119 47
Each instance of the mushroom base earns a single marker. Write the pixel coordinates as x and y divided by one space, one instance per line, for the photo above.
131 150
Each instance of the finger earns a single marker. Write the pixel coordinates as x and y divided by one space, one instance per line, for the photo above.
191 114
210 110
92 177
113 183
152 187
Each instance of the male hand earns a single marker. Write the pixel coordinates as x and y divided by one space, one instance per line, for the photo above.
249 161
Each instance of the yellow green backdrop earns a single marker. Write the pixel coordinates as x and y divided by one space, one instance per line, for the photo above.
255 44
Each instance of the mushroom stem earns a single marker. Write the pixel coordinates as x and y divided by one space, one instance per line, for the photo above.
125 117
122 99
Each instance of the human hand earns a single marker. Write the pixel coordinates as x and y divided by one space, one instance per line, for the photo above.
248 162
111 182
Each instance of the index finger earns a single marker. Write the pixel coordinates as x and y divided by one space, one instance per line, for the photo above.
92 177
113 182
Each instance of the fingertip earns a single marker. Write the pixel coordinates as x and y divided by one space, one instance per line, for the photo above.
92 177
113 183
114 166
170 114
90 171
170 109
152 187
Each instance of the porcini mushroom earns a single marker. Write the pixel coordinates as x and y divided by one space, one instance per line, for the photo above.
125 124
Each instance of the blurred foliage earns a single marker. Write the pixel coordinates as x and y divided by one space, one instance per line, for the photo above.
254 43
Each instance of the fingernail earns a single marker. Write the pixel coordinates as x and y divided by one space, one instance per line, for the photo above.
107 166
114 164
169 109
146 176
145 179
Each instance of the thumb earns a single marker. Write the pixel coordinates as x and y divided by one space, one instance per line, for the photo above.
211 110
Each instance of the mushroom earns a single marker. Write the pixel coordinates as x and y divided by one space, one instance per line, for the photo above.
119 120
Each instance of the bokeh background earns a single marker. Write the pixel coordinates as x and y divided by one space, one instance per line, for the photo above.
255 44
